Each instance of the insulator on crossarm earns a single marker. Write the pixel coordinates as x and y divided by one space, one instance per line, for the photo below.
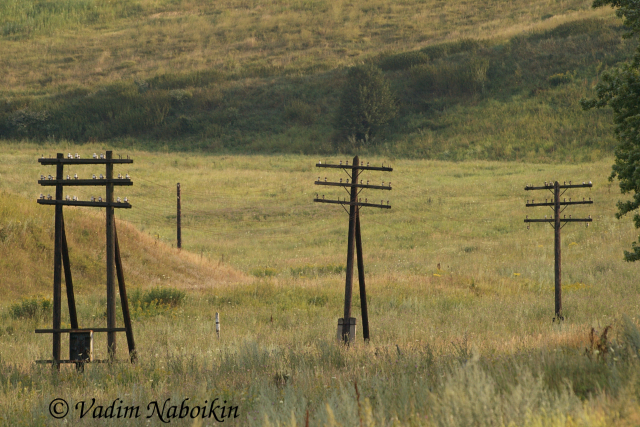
340 180
68 177
347 180
77 156
589 216
49 196
340 162
75 198
387 203
95 156
41 177
545 183
41 196
68 198
75 176
50 177
382 184
319 162
365 200
318 179
126 199
360 182
101 176
325 179
323 197
69 156
118 199
367 164
389 184
127 176
590 183
94 176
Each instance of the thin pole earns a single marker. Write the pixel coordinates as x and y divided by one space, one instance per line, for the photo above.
558 255
57 267
124 302
111 289
68 281
363 291
179 227
348 288
218 325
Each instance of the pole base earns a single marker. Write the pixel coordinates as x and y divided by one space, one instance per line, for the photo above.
352 330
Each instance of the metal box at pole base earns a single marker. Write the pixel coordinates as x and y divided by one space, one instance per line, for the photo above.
81 346
352 329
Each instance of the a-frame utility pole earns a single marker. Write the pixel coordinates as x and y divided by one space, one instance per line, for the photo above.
81 340
556 222
354 238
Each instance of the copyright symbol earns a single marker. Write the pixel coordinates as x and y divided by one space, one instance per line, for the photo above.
58 408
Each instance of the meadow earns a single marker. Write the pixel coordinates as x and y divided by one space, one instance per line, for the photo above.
469 343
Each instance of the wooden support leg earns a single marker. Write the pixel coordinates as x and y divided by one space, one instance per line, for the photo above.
363 291
71 300
124 302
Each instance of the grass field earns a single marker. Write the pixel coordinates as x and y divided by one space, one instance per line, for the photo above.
470 344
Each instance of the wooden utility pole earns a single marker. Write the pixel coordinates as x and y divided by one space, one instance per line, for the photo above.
354 236
61 257
556 222
179 220
111 257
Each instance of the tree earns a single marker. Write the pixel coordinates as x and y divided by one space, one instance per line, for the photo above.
366 104
619 89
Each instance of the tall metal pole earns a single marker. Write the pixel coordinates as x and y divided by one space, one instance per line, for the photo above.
179 224
348 288
57 266
363 291
111 288
557 250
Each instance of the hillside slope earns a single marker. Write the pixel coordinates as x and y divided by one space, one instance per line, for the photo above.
26 254
473 80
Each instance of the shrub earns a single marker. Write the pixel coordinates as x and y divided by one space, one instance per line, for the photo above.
156 298
31 308
445 49
366 104
560 78
403 61
448 78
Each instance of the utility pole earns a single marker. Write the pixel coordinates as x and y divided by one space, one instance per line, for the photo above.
178 225
556 222
81 340
354 236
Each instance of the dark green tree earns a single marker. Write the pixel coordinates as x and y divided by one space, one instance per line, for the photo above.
366 105
619 89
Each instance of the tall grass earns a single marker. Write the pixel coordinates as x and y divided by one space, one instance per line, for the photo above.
460 296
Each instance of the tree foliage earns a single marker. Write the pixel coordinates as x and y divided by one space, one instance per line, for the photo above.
366 105
619 89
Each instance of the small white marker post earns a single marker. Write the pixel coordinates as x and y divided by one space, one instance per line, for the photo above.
218 325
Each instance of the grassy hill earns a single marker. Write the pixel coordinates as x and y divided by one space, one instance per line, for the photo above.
26 254
472 80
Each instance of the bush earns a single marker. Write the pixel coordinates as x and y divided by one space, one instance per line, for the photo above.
403 61
366 104
560 78
31 308
264 272
448 78
156 297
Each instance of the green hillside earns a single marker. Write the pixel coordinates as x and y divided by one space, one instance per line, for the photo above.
471 80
